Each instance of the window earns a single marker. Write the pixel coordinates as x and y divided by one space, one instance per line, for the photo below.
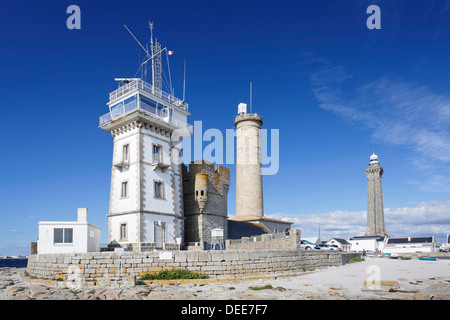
63 235
159 189
124 191
156 153
123 231
126 154
202 193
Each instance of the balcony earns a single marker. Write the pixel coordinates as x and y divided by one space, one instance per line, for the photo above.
157 110
147 87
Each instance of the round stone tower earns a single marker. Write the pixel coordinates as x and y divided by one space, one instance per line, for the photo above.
249 189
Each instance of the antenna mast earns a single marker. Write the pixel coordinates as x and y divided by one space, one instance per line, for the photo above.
250 97
153 53
155 48
143 72
184 80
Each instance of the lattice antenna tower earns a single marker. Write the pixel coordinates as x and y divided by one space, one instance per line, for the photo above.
155 48
153 54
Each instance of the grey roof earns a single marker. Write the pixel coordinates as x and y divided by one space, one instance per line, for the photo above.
378 238
413 240
239 229
341 241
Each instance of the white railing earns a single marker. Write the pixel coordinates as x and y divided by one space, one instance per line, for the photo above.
147 87
104 119
147 109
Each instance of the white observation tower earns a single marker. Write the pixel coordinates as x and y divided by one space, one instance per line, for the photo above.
146 205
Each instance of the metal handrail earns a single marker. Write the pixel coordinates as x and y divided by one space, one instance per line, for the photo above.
147 87
150 110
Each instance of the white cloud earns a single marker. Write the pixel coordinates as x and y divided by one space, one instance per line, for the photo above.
421 219
10 230
396 112
434 183
329 74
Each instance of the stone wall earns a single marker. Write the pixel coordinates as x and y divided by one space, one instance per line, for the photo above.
112 266
264 242
33 248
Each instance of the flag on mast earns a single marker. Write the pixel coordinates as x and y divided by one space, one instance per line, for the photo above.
170 53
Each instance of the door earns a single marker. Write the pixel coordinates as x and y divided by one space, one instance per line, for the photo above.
158 236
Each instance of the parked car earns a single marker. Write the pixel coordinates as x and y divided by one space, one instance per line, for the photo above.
305 244
325 247
335 247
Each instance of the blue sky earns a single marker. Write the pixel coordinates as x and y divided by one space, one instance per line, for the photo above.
335 89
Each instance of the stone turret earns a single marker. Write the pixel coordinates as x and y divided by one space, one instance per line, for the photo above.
201 190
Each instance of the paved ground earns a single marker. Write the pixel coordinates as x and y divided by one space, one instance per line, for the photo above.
393 279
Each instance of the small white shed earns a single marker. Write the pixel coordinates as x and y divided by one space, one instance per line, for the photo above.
68 236
344 245
367 243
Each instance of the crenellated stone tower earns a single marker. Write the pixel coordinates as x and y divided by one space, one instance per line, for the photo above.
205 194
375 211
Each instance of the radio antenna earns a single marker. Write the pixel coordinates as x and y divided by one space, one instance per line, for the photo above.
137 40
184 81
250 97
143 70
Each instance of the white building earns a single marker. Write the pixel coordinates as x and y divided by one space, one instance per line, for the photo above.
342 244
146 198
367 243
410 245
68 236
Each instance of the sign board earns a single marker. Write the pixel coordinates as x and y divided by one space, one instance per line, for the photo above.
165 255
217 233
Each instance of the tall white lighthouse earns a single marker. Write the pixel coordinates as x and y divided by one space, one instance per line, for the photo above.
145 209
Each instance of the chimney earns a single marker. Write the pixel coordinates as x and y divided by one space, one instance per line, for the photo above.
82 215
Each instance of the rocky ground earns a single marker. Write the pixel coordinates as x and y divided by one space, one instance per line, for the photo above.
395 279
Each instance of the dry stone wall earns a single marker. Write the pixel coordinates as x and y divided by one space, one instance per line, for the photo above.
113 266
264 242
